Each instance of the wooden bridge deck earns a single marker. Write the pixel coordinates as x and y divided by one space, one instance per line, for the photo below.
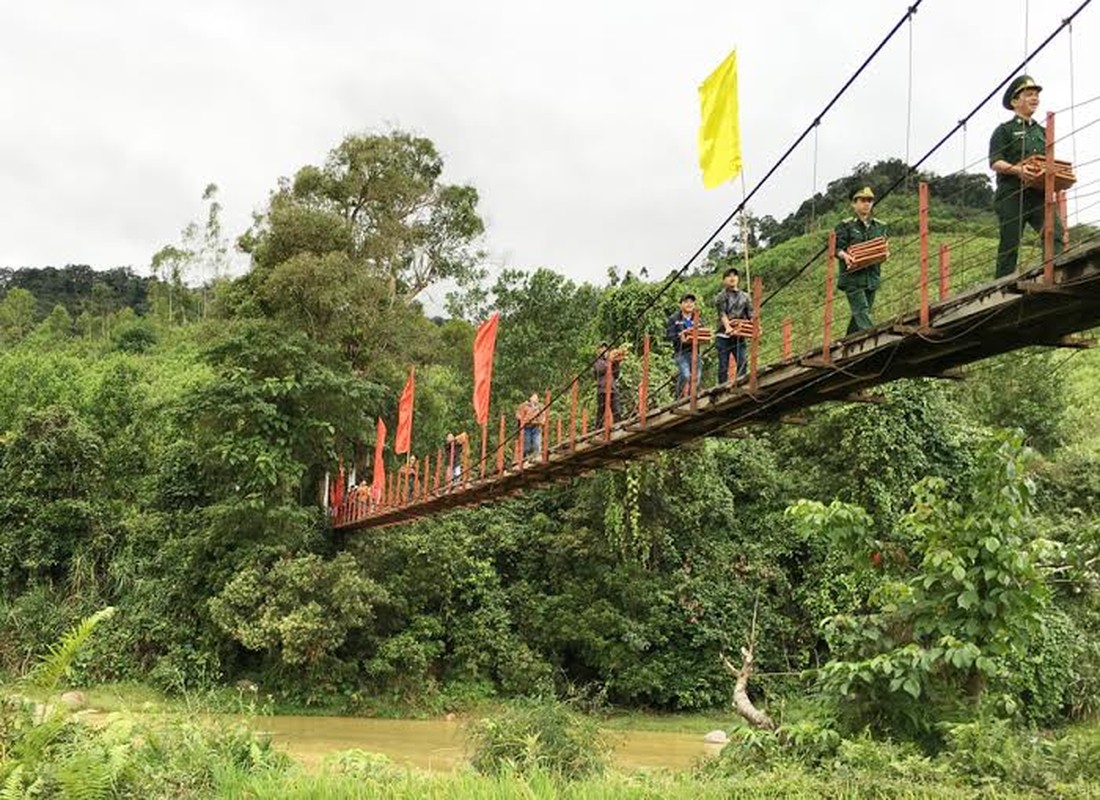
993 318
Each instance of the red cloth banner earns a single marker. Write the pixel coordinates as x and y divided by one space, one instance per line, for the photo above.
378 484
403 439
336 493
485 343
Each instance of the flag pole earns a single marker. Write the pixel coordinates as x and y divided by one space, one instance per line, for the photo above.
745 231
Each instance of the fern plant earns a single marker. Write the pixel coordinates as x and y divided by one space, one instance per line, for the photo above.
40 727
58 660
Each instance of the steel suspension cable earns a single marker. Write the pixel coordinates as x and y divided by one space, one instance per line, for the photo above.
962 122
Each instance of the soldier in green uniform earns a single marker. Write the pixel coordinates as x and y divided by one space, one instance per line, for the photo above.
1011 143
859 285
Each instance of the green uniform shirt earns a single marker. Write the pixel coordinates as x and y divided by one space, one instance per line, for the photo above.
853 231
1013 141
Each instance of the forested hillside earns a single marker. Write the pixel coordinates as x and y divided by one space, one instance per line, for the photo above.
163 449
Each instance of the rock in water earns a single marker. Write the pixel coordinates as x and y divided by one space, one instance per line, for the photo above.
716 737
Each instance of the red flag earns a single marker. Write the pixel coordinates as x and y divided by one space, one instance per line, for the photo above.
338 486
378 485
485 343
403 439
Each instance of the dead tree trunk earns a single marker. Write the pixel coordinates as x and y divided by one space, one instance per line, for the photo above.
742 704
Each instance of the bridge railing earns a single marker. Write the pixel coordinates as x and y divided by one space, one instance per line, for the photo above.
960 262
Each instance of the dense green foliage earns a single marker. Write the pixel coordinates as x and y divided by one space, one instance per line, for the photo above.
167 456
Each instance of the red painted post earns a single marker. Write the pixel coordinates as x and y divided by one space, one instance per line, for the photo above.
945 271
1048 205
438 469
546 428
643 397
451 467
922 213
500 447
827 344
693 378
754 345
1063 215
573 416
584 422
427 485
466 464
786 338
607 403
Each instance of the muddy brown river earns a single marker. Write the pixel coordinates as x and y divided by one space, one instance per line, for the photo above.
439 745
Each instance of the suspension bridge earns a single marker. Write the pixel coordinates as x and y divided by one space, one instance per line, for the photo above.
1046 303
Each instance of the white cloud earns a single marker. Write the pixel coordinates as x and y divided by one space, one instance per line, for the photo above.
576 121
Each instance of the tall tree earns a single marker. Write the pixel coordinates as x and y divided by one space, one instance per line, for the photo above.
379 200
16 315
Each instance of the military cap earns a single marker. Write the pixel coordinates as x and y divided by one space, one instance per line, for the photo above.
864 192
1018 85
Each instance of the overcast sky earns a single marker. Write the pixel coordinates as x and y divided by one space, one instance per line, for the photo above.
576 121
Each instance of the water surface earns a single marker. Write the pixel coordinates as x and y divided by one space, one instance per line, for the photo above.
439 745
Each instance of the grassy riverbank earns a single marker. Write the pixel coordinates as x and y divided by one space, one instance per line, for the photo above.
141 744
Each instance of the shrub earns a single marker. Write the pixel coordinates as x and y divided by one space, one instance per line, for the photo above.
539 736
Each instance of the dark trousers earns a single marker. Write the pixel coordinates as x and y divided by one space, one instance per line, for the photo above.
1014 211
860 301
601 403
532 440
735 346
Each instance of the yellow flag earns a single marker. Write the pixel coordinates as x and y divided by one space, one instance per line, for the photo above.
719 132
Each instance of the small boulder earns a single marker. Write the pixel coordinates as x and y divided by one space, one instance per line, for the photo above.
716 737
74 700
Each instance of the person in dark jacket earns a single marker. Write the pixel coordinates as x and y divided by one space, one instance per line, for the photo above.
861 284
731 304
1011 143
678 324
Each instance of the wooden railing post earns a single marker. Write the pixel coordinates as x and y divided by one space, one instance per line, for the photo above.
787 339
500 446
922 213
830 265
